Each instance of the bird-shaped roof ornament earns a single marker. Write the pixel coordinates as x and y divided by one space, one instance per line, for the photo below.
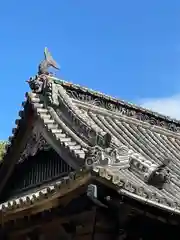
47 63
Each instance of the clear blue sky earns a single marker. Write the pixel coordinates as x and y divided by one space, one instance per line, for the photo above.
129 49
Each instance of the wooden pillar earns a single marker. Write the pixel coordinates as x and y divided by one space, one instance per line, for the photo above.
101 227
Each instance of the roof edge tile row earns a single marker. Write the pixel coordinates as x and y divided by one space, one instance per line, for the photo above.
165 121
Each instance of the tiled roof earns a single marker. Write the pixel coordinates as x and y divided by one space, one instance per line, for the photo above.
152 142
132 186
96 98
51 191
78 119
124 183
64 135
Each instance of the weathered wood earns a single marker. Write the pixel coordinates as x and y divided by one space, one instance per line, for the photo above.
54 231
105 236
68 191
37 170
103 226
44 221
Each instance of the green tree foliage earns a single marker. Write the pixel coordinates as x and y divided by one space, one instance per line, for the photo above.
2 148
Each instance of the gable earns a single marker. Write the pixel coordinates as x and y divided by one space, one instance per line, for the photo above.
38 164
32 136
35 171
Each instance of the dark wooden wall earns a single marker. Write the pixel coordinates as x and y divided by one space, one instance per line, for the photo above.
87 225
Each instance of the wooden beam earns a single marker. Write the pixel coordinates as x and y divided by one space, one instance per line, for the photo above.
66 193
43 222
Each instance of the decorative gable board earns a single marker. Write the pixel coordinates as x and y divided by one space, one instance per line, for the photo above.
36 142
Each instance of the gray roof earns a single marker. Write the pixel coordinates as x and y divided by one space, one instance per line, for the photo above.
77 120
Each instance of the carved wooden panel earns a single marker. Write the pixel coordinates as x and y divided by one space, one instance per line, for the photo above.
43 167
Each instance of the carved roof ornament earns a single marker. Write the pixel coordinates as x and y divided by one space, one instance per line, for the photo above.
39 82
151 173
158 175
47 63
122 157
114 157
35 143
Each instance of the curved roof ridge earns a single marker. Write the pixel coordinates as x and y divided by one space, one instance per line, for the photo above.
77 87
80 122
